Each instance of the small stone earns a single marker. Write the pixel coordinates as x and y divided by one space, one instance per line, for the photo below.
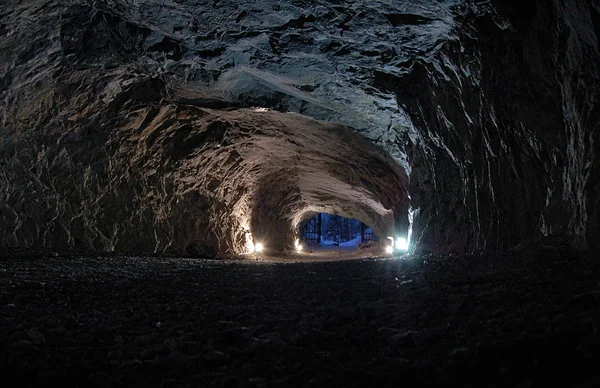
176 356
231 382
23 347
168 383
405 339
215 357
457 352
132 363
258 381
116 354
9 309
147 354
36 336
171 344
58 330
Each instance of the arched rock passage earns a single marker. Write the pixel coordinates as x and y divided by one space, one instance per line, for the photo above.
179 179
271 171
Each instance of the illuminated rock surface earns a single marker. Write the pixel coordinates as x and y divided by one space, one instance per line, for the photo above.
128 125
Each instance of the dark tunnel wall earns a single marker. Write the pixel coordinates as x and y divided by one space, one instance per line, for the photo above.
508 117
484 113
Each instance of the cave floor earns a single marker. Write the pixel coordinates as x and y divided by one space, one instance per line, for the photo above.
322 254
498 320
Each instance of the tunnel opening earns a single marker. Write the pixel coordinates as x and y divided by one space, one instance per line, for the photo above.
221 183
274 172
325 230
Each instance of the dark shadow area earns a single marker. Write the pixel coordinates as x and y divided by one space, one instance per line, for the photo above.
526 318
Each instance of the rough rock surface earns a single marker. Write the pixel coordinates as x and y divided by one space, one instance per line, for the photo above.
489 108
517 319
180 179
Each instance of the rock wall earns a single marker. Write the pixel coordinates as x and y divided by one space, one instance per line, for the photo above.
507 114
119 120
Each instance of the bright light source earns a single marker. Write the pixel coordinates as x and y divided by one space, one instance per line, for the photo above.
299 248
249 244
401 244
389 249
258 247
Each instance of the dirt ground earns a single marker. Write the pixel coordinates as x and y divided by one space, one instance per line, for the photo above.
323 254
517 319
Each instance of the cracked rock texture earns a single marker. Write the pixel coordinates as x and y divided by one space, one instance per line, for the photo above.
128 125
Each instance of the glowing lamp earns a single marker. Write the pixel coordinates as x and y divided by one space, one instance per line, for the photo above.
258 247
298 246
401 244
389 249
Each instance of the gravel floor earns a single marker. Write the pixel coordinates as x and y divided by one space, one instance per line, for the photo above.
515 319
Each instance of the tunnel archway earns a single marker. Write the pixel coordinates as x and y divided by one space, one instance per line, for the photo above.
271 171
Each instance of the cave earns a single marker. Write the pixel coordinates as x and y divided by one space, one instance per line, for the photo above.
195 141
467 119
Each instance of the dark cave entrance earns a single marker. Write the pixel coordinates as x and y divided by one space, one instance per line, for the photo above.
326 229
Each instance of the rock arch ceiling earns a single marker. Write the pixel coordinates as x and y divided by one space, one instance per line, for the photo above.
133 125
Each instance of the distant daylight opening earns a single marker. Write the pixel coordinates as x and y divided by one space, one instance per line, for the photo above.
330 230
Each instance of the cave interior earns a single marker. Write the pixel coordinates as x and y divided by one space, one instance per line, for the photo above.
207 136
132 128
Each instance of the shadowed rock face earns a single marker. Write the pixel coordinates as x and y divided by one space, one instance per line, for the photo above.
128 125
